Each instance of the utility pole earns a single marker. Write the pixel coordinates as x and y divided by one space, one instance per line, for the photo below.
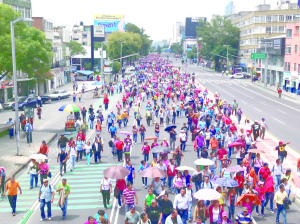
227 60
266 66
102 61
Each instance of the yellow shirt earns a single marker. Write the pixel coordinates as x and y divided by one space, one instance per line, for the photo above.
279 197
221 200
289 178
12 188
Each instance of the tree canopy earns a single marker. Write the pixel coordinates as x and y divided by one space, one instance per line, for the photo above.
215 36
177 49
33 52
76 48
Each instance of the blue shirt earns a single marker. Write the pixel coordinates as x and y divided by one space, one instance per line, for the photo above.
241 219
92 117
28 128
112 115
112 129
46 192
131 169
110 120
3 174
79 145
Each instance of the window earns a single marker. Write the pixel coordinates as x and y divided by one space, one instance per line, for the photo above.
288 18
288 49
295 67
262 19
289 66
281 29
298 68
268 29
275 18
257 19
296 49
274 29
285 66
289 33
296 17
281 18
268 18
297 30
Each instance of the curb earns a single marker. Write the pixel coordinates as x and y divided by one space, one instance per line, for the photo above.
26 163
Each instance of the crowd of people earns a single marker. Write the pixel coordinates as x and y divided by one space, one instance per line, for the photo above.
159 97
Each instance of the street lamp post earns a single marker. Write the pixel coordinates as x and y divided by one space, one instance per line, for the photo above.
122 53
13 52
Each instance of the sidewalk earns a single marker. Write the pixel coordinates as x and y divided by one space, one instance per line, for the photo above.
268 145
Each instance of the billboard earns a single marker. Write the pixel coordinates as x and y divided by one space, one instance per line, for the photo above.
6 84
274 46
99 31
191 24
111 22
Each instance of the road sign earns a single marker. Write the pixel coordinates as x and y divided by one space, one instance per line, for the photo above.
258 55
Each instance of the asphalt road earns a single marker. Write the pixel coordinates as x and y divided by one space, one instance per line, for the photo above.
256 102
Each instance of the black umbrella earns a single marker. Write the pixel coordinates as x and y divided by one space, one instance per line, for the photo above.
169 128
160 149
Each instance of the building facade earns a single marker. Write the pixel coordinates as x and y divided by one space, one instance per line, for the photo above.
292 58
82 34
22 6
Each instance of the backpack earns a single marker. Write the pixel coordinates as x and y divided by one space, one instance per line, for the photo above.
2 168
49 188
197 177
202 185
110 143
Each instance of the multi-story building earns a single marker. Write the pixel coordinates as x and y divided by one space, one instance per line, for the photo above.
22 6
59 37
82 34
178 31
260 24
292 58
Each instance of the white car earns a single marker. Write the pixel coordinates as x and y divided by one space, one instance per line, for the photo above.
238 76
131 68
59 94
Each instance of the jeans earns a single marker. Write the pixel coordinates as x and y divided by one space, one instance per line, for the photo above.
172 144
154 155
182 145
125 121
144 179
63 165
231 211
79 156
13 202
33 177
112 134
146 157
198 185
281 158
262 208
64 209
120 154
119 198
134 136
91 125
213 170
129 180
190 210
164 217
230 151
281 208
29 136
199 149
42 207
127 206
72 162
268 197
106 106
113 152
183 215
277 181
157 134
170 183
220 166
142 137
106 197
97 156
88 158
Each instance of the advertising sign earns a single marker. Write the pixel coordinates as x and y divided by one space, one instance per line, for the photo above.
6 84
99 31
111 22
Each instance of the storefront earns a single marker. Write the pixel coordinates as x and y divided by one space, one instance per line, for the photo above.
286 81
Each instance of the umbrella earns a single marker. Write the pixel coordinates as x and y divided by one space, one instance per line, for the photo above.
204 162
252 197
234 169
169 128
235 144
197 89
70 108
207 194
151 138
256 151
116 172
159 149
98 83
182 168
196 115
38 157
226 182
153 172
125 133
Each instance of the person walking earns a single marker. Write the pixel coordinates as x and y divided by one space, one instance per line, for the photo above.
282 153
181 204
11 128
39 112
2 180
28 130
146 151
279 198
263 126
142 167
277 171
88 151
128 197
131 169
119 146
62 160
12 187
182 139
64 189
106 189
244 217
120 186
172 138
142 131
46 197
79 146
72 154
33 170
62 142
171 172
127 147
97 147
44 171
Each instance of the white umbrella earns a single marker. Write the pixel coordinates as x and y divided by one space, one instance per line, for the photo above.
182 168
38 157
207 194
204 162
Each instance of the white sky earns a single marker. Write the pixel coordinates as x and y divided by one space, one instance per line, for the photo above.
157 17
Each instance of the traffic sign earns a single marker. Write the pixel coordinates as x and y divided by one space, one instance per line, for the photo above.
258 55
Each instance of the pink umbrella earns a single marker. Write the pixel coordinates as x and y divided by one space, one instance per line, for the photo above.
116 172
235 144
153 172
234 169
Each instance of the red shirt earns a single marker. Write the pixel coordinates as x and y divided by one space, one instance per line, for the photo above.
233 128
119 145
106 100
121 184
82 137
44 149
146 149
240 180
221 153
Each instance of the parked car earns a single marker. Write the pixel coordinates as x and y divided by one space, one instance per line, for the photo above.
246 75
8 105
238 76
43 98
131 69
59 94
30 101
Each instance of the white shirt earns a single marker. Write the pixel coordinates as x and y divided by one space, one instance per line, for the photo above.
189 194
182 136
263 124
181 202
79 122
106 184
72 151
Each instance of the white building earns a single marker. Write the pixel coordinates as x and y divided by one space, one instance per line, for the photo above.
82 34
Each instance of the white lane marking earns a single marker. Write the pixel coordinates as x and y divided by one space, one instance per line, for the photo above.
281 112
243 101
263 103
244 94
278 120
272 99
257 109
223 90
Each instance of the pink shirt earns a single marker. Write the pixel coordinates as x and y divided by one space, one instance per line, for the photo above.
221 153
43 168
249 205
178 182
166 162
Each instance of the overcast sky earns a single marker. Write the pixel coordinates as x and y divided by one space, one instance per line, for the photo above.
157 17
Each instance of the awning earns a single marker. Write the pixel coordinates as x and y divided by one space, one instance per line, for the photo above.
84 72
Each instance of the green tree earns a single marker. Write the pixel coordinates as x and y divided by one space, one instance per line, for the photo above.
88 66
158 49
76 48
33 52
133 44
214 37
116 67
97 45
132 28
177 49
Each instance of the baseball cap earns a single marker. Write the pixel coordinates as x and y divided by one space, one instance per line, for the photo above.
132 207
224 214
245 209
153 201
45 180
281 142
